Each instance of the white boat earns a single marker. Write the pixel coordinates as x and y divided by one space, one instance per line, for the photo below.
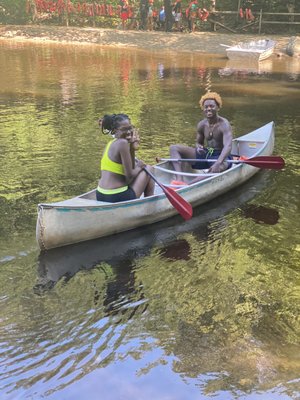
254 50
246 68
84 218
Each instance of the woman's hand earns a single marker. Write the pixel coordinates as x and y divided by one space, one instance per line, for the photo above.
135 139
140 164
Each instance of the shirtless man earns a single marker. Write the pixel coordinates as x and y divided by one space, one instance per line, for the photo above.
214 131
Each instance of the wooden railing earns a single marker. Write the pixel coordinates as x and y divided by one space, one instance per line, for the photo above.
261 18
290 21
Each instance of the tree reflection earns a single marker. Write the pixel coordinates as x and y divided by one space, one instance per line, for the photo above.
222 317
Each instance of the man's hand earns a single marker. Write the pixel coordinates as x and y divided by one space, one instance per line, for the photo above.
215 167
199 147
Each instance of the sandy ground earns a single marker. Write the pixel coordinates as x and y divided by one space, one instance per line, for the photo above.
202 42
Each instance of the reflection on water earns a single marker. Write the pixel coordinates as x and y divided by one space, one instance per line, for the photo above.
261 214
241 68
178 309
126 247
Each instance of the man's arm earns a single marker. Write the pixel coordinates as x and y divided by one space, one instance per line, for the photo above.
200 135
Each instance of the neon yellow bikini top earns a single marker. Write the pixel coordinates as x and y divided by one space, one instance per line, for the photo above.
108 165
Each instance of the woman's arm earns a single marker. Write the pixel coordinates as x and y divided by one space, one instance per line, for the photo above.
126 159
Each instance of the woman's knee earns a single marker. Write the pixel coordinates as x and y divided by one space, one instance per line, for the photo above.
174 149
150 168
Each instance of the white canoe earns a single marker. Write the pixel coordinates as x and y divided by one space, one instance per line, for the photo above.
246 67
83 218
255 50
136 243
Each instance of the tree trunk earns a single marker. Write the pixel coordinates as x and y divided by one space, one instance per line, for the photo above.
32 9
169 16
144 8
67 12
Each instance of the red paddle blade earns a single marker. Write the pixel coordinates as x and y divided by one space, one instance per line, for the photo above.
182 206
269 162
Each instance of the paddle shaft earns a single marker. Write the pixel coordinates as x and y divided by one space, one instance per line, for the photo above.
182 206
268 162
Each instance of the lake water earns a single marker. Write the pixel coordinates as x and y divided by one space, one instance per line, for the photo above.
207 308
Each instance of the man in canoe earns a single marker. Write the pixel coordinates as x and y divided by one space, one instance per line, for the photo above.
213 141
122 177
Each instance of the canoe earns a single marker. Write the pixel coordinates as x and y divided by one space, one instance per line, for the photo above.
84 218
245 68
255 50
128 246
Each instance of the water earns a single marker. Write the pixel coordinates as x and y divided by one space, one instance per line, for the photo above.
205 308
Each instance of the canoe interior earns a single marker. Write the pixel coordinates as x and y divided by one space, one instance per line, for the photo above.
254 45
165 172
256 50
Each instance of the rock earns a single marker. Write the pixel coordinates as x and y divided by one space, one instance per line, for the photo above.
9 34
293 46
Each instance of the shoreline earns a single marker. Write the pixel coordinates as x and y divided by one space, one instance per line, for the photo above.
199 42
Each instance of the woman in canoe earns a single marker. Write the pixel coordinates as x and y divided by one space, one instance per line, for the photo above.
122 178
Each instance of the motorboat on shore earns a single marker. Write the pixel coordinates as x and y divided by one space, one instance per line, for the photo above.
257 50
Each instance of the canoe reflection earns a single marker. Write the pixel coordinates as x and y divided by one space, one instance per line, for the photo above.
121 250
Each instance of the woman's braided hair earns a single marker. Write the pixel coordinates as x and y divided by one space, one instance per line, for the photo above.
110 122
211 96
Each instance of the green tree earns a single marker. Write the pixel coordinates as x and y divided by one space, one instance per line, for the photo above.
13 11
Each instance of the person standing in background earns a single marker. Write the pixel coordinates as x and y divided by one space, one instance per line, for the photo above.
150 16
177 14
124 13
162 18
191 14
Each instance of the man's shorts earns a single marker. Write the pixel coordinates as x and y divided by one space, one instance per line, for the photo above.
211 155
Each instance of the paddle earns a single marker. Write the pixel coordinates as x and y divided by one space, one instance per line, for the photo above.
182 206
267 162
224 45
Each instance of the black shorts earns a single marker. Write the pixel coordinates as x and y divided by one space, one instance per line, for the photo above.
128 194
205 153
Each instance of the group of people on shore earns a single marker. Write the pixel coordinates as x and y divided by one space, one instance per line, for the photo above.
123 177
152 17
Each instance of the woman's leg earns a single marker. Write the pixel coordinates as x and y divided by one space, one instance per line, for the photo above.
143 183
